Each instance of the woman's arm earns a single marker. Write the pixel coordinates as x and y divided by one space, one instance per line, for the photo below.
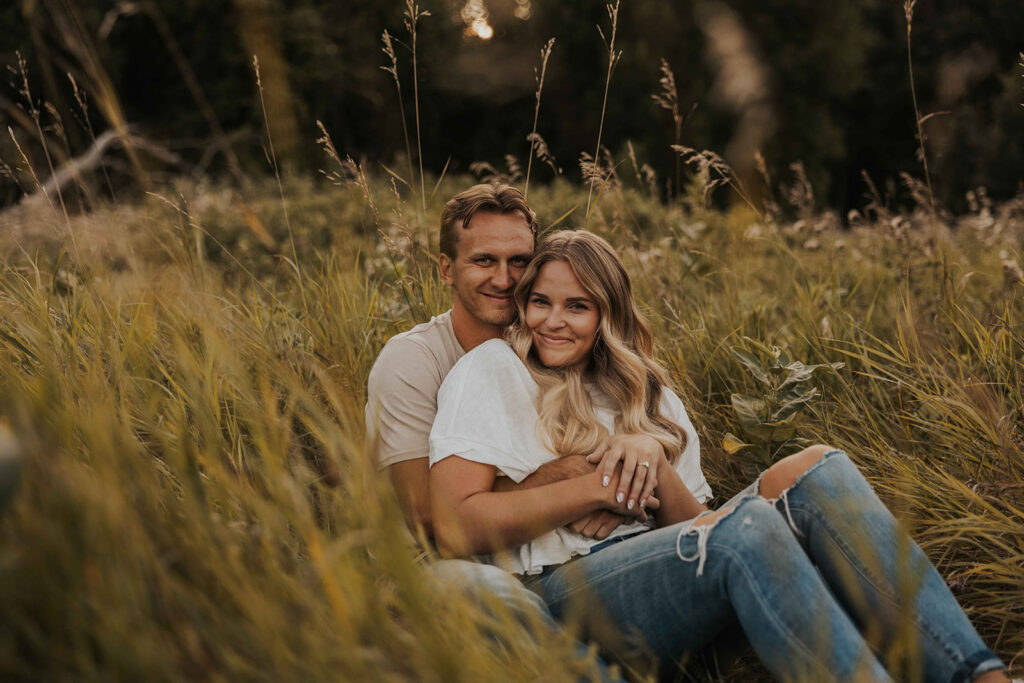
677 503
470 519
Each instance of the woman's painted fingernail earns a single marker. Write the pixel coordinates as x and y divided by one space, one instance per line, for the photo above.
643 502
619 496
607 480
630 504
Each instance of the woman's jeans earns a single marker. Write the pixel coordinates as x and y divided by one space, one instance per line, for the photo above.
823 582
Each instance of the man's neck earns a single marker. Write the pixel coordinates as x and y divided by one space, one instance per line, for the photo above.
470 332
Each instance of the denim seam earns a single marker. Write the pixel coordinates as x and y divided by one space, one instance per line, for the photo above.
833 536
783 628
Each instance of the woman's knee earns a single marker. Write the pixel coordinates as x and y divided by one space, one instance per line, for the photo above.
785 472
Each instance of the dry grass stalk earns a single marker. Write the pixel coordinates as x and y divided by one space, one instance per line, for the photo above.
613 59
716 173
668 99
908 12
389 50
295 265
543 153
533 138
413 14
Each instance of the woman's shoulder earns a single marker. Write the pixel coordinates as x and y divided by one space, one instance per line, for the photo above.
494 353
490 359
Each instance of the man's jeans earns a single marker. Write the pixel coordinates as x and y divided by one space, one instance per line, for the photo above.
485 582
811 578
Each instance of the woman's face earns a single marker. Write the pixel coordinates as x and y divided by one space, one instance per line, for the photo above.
562 317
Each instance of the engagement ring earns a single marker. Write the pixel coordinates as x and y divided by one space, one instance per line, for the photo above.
644 464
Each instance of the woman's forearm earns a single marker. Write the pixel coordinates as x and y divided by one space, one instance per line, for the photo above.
677 503
488 521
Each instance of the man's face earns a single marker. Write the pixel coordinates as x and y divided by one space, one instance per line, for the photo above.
490 257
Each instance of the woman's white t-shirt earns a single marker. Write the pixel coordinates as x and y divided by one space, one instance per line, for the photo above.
487 413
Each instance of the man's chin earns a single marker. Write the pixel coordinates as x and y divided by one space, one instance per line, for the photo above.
499 317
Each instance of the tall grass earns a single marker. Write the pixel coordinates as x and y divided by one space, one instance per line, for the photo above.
196 500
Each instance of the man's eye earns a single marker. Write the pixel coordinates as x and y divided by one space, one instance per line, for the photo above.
483 260
519 262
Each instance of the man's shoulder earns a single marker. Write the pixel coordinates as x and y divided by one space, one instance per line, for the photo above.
429 347
433 337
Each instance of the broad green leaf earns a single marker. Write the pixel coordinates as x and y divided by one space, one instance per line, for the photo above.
748 410
794 405
753 365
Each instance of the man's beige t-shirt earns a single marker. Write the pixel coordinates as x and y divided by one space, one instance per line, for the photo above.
401 398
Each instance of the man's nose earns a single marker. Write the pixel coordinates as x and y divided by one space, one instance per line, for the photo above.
502 278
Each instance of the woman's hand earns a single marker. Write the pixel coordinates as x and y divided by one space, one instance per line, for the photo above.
641 457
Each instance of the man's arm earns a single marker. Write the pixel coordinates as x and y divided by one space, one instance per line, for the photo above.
569 467
411 481
400 406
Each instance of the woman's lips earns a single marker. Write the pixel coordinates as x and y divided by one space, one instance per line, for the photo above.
556 341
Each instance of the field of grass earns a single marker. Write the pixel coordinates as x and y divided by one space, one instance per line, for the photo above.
186 382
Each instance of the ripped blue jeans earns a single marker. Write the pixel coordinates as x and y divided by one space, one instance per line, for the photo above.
823 582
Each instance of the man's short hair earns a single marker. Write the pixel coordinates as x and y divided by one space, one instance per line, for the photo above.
489 198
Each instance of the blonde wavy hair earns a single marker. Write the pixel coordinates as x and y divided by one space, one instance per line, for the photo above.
621 366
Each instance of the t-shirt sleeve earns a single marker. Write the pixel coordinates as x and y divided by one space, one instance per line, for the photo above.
688 465
401 401
485 412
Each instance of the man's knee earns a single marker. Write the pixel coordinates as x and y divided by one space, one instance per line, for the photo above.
483 580
785 472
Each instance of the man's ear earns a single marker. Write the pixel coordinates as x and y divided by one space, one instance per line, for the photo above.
445 265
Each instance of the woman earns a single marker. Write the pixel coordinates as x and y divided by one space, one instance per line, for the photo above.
807 558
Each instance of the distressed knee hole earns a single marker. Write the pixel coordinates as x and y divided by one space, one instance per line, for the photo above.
711 518
701 526
783 474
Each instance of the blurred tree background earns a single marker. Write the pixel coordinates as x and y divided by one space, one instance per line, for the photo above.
823 84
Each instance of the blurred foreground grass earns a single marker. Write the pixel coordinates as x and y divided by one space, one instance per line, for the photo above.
187 387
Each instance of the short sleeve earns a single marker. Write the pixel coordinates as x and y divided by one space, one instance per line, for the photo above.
688 465
401 401
486 413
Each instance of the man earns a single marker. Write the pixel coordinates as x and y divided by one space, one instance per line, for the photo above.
487 239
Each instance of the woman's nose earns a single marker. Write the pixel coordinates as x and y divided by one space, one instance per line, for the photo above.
555 317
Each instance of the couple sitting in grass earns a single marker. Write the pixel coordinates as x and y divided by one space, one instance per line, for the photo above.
531 428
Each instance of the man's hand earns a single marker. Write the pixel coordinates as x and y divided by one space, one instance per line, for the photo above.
597 524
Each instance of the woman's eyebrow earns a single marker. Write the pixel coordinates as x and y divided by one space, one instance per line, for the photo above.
579 299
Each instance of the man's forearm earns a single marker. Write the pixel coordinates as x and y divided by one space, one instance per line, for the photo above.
568 467
411 481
